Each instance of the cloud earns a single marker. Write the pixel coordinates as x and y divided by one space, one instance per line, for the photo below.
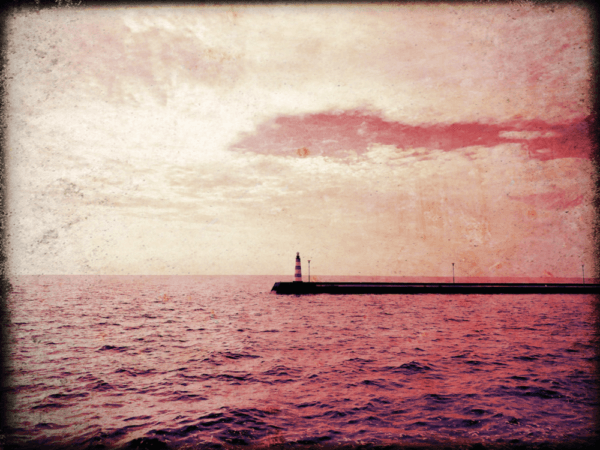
100 54
345 133
481 63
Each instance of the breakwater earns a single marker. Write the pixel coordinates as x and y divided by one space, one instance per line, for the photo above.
301 288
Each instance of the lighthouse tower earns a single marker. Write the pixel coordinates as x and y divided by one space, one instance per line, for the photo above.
298 274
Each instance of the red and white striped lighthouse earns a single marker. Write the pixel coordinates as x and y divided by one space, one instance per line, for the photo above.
298 274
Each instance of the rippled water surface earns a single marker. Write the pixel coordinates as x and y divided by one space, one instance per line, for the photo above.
192 361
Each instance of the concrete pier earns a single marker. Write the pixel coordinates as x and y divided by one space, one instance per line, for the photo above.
433 288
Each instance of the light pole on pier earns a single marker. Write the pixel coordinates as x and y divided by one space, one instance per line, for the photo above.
309 270
452 272
583 273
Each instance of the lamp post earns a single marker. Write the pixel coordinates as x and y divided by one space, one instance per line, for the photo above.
309 270
583 273
453 273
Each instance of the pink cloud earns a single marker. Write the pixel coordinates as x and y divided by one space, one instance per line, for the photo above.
338 134
108 55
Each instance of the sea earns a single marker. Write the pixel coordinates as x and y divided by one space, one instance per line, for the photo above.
221 362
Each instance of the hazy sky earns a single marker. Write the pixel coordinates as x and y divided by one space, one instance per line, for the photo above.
374 140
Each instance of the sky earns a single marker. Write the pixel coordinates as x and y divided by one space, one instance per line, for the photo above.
376 140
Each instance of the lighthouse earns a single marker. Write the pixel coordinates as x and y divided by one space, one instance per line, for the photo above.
298 273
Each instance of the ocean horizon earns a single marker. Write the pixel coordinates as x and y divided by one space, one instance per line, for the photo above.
350 278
